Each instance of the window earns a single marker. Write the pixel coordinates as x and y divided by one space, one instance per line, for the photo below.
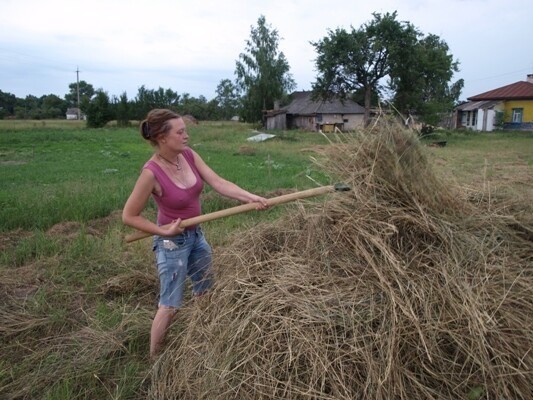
474 118
517 115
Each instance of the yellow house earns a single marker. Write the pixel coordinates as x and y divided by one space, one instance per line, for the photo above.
510 107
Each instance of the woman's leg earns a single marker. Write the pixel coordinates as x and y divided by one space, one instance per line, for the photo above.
171 255
162 320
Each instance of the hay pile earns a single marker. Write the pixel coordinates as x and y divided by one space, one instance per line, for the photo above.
399 289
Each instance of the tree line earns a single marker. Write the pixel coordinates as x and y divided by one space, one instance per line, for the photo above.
384 61
99 108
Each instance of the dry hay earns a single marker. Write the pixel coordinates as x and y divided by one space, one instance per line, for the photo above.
399 289
189 119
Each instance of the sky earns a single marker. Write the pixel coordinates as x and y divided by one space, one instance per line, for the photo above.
190 46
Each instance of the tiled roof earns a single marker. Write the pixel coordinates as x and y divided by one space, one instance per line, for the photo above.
515 91
302 104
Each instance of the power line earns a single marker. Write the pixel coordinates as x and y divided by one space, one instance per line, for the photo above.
500 75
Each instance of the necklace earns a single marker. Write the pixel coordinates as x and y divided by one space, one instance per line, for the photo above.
176 164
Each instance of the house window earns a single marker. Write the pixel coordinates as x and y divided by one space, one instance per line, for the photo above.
463 118
517 115
474 118
468 118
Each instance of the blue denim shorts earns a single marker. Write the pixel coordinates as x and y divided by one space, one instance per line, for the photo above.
187 254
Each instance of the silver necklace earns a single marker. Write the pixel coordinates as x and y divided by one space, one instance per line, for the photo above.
176 164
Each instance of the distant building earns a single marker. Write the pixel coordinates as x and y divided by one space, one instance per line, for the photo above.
513 102
314 115
73 113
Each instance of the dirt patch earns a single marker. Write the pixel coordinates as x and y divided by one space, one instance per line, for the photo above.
12 238
100 225
95 227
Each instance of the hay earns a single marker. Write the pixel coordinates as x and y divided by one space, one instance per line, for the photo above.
399 289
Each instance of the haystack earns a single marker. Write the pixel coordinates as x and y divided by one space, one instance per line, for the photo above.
400 289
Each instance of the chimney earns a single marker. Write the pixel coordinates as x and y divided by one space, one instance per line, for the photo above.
529 78
276 102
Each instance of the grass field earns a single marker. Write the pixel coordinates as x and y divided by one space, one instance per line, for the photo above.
79 300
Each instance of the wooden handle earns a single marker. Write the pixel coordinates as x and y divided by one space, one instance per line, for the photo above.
240 209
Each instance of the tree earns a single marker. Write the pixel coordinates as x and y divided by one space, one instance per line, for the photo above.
31 108
228 99
99 110
359 59
122 110
53 106
197 107
8 102
420 77
148 99
419 68
262 72
86 93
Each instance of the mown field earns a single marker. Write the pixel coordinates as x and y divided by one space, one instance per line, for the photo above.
79 300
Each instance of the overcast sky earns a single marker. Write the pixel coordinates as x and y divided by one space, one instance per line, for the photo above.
190 46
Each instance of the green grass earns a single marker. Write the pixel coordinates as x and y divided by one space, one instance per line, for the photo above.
82 174
78 301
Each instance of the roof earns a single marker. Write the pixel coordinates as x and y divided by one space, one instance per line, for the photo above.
302 104
72 110
521 90
476 105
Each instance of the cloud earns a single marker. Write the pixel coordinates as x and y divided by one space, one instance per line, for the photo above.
190 46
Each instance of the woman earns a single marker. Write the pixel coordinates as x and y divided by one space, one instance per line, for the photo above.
174 176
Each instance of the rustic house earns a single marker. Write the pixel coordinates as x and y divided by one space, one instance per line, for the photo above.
511 106
313 115
75 113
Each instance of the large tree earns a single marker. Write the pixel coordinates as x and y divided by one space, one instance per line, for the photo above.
86 93
262 72
350 61
420 79
361 59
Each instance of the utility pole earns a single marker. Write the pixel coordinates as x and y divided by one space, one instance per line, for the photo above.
78 90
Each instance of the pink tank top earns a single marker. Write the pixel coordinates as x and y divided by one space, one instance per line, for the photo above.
174 201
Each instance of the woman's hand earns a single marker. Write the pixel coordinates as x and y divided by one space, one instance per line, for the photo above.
172 229
262 202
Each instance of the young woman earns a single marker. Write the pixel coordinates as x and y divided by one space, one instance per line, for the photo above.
174 176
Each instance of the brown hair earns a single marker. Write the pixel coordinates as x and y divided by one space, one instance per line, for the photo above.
157 124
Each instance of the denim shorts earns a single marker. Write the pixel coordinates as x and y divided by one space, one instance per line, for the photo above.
186 254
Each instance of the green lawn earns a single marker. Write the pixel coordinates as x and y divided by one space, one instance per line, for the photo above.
78 301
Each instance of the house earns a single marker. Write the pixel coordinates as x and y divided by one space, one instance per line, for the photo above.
478 115
313 115
75 113
510 107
